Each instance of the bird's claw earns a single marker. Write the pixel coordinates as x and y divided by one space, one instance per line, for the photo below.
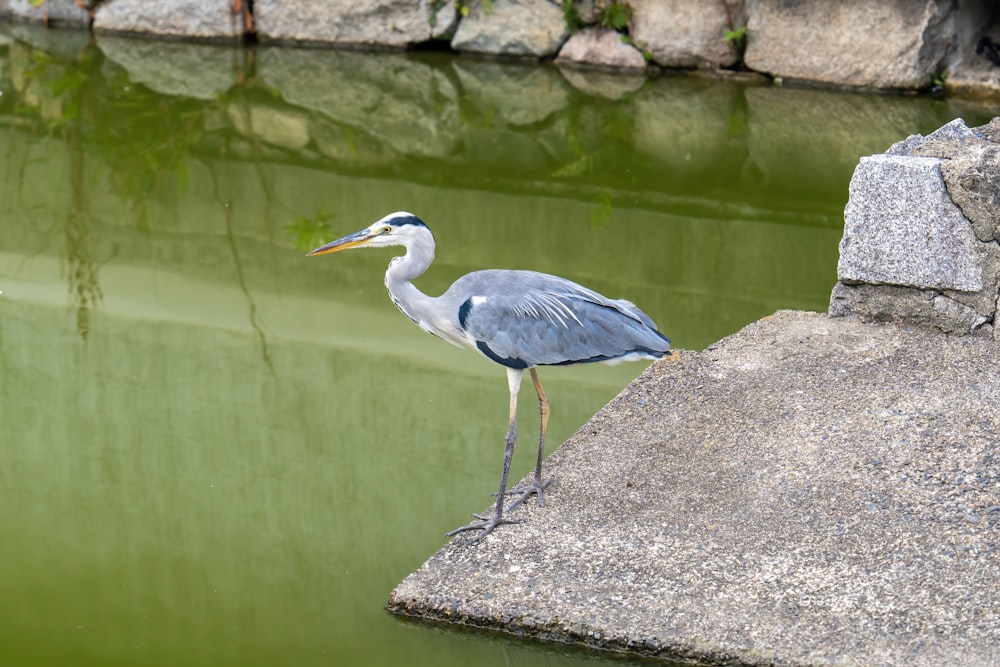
535 486
485 525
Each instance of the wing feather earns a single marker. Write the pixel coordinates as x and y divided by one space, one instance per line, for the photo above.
523 318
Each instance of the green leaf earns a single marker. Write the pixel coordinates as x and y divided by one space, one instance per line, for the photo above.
736 35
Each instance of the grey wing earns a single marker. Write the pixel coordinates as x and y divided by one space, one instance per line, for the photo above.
522 318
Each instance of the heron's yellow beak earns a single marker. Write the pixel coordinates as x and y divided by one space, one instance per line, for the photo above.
351 241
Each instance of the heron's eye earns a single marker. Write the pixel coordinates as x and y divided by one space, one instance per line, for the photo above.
386 229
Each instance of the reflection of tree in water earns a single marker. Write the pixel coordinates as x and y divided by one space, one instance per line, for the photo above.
65 84
145 141
82 269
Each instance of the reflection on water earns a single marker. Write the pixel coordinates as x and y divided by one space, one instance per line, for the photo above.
219 452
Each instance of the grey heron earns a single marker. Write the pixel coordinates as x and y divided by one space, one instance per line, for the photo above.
519 319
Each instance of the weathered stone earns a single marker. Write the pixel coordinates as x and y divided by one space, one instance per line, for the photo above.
971 73
900 228
512 28
586 10
991 130
203 71
598 47
678 33
955 130
609 85
854 43
973 180
903 230
197 19
393 23
55 12
891 303
971 172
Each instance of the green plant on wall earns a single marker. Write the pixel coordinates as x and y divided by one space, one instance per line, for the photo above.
736 36
615 16
736 32
570 16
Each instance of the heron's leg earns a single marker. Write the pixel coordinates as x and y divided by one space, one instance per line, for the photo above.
486 524
536 486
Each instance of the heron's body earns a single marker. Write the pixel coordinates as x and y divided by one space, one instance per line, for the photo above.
519 319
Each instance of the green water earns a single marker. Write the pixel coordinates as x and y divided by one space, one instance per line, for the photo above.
216 451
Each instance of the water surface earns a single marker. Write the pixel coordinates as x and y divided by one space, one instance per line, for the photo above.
217 451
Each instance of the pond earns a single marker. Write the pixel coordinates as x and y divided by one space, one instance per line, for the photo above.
217 451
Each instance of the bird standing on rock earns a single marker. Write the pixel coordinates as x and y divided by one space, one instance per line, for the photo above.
519 319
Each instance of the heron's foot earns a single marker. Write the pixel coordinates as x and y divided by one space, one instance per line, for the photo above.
536 486
484 524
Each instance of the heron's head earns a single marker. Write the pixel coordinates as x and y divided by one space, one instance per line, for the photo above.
399 228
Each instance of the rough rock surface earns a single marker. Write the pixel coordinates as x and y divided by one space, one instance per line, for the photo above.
971 171
56 12
525 28
393 23
201 19
811 490
901 228
678 33
834 42
921 230
598 47
970 72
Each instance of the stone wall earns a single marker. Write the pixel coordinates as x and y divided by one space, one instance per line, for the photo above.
921 238
904 44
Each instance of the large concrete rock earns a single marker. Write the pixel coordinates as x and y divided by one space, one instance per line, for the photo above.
199 19
525 28
808 491
55 12
393 23
678 33
920 232
854 43
597 47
